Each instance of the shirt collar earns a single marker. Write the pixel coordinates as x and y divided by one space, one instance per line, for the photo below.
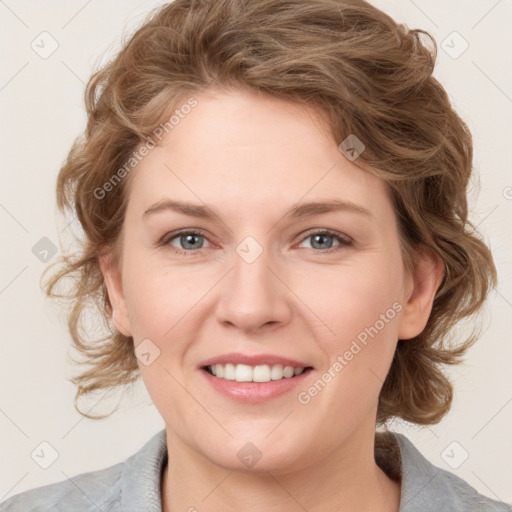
428 488
142 474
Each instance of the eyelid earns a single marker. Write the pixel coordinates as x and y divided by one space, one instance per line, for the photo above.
326 231
171 235
344 240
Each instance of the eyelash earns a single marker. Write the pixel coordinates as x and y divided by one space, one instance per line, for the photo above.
343 240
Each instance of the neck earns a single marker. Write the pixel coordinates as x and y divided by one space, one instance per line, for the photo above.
347 479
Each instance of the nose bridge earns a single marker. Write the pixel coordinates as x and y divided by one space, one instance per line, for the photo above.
252 295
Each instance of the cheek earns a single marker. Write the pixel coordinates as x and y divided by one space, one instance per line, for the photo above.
351 299
362 309
160 304
164 301
146 305
368 329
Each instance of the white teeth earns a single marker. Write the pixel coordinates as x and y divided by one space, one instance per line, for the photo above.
229 371
288 371
260 373
243 373
277 372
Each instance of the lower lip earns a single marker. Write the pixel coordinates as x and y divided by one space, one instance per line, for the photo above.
254 392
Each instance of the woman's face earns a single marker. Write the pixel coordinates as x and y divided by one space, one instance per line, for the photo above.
263 273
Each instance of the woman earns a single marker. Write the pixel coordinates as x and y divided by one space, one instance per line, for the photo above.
226 144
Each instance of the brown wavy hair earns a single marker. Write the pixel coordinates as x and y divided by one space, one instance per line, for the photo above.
369 75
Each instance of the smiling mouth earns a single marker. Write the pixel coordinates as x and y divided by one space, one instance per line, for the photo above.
260 373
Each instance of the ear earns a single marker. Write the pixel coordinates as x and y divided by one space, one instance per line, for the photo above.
422 288
113 282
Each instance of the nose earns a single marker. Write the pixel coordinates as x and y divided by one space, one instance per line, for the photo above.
254 295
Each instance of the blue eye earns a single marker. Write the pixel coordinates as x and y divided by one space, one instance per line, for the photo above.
191 241
319 238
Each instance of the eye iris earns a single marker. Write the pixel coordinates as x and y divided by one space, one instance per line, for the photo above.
187 240
321 237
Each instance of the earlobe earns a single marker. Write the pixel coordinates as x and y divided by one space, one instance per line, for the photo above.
426 278
113 283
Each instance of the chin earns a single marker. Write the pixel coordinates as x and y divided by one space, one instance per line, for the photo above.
257 454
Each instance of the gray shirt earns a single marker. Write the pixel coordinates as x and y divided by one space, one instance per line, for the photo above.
134 485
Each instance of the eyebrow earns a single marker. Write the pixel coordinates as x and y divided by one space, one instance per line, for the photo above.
298 210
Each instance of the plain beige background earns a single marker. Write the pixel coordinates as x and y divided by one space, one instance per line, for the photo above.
42 111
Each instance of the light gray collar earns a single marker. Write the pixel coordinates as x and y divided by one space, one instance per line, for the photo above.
424 487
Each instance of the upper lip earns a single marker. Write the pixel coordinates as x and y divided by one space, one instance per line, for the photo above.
253 360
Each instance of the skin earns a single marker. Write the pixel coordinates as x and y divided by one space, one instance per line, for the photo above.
250 158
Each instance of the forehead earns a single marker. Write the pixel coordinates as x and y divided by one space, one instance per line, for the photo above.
241 151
